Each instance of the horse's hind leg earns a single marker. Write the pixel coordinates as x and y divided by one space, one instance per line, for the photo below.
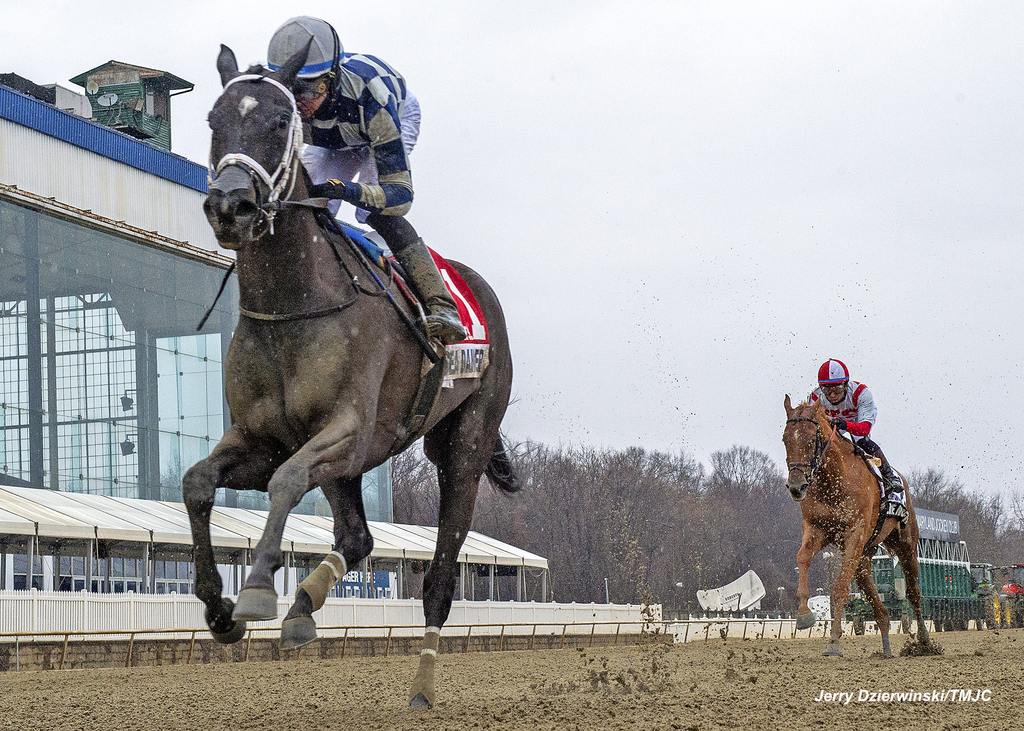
867 584
232 463
352 543
906 549
461 447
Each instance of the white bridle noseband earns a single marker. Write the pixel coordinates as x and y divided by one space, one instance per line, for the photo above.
284 175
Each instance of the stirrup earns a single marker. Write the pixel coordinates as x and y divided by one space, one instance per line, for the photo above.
441 326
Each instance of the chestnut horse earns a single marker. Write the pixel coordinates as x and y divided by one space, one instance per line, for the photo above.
840 502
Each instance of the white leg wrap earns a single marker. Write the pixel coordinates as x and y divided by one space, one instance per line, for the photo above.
428 651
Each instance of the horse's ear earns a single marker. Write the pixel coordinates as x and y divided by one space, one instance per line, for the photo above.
227 64
788 404
290 68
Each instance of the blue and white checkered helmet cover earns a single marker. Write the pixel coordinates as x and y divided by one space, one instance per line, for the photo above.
293 36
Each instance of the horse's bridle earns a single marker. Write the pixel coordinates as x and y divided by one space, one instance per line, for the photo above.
284 176
810 469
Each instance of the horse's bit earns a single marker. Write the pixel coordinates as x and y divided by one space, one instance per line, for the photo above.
810 469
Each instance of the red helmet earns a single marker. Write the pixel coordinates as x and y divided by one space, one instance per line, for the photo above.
833 371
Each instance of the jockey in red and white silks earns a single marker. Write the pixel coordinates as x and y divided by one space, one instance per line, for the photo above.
851 407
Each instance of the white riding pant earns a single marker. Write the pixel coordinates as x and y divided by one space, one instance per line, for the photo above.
324 163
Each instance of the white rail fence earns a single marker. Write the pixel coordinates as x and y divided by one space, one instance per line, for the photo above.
704 629
23 612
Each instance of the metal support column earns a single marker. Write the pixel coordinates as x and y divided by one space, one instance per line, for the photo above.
520 580
145 569
88 565
491 590
3 567
31 562
462 582
287 572
544 586
147 405
34 349
53 440
400 582
108 587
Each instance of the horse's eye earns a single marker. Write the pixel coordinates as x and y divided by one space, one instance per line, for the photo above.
283 121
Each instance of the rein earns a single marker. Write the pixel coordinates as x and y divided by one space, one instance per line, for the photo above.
821 445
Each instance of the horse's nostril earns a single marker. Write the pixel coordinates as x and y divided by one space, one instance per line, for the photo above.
245 208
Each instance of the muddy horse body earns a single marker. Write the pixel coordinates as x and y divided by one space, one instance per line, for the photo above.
321 377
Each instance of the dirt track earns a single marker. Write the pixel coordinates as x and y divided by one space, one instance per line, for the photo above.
742 684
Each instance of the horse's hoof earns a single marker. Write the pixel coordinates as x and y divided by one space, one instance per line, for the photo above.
297 632
235 630
255 603
833 650
805 621
420 702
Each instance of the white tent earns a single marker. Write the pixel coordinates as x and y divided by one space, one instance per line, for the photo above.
35 518
26 511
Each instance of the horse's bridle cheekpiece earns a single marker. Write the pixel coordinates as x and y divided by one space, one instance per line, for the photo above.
284 175
810 469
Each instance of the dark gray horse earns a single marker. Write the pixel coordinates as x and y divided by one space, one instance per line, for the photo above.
321 377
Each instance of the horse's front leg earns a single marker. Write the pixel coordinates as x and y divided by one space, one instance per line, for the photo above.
352 543
812 542
323 458
853 551
237 463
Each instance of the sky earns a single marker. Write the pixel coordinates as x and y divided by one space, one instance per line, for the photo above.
685 207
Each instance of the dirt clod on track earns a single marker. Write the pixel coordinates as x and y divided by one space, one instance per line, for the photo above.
739 684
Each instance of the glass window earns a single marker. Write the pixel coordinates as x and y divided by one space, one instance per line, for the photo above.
138 394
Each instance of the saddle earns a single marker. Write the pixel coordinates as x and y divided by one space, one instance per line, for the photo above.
441 366
892 505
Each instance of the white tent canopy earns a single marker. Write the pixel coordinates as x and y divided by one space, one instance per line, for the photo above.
27 512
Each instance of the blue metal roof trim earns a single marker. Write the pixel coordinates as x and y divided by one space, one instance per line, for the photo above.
89 135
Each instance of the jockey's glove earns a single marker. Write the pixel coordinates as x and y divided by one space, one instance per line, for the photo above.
840 423
334 189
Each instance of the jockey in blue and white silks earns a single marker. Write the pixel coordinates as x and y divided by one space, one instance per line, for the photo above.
364 122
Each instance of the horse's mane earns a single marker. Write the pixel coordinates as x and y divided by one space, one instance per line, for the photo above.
257 68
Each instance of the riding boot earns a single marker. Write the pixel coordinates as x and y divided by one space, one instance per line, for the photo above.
443 322
893 483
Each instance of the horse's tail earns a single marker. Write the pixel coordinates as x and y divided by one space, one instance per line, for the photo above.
500 470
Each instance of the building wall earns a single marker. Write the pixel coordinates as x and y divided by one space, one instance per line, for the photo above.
50 167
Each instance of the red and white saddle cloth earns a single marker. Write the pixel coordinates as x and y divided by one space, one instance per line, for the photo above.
467 358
